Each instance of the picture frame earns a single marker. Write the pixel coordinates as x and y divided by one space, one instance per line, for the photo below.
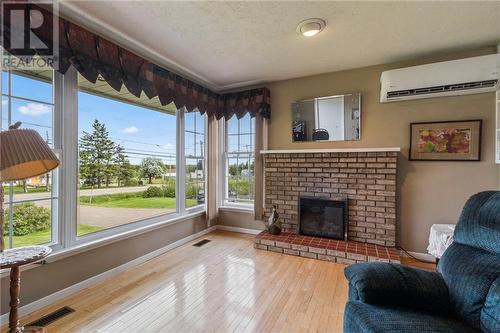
446 140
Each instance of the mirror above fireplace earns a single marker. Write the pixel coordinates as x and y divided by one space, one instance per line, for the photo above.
331 118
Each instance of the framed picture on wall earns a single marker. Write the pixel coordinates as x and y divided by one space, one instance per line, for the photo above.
446 141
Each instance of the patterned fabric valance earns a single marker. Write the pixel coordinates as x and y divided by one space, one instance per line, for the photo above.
93 55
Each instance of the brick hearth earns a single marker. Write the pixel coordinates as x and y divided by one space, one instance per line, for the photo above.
344 252
366 179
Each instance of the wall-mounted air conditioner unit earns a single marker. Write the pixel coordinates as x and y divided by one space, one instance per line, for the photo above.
449 78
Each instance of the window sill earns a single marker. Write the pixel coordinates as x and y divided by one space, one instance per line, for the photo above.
238 208
94 244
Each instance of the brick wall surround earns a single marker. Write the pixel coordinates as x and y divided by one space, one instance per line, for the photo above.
366 179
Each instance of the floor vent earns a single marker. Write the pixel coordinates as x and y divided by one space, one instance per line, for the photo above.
202 242
52 317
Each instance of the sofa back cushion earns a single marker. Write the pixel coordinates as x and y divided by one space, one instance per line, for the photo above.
479 223
490 316
469 273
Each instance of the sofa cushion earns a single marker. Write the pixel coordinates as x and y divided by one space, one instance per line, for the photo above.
490 315
479 223
368 318
469 273
398 285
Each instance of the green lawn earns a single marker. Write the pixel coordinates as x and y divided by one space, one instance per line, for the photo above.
20 189
138 202
41 237
131 200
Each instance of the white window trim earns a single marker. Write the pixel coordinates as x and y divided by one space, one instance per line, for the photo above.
55 239
223 167
202 207
65 137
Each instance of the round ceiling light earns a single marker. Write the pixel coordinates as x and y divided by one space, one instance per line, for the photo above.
311 27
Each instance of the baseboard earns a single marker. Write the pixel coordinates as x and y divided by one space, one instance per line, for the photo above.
420 256
238 229
47 300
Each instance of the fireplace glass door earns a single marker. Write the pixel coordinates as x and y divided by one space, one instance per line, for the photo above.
321 217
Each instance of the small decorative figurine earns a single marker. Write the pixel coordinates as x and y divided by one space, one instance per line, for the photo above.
273 223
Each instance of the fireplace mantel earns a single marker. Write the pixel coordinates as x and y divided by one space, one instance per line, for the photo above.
332 150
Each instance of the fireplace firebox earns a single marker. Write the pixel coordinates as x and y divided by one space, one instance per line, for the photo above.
321 217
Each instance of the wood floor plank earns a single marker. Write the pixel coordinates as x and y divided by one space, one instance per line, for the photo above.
223 286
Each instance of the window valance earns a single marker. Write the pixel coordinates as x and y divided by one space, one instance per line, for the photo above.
94 56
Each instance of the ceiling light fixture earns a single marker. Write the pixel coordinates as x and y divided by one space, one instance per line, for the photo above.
311 27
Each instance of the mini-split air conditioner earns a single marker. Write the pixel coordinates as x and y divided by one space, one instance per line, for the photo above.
450 78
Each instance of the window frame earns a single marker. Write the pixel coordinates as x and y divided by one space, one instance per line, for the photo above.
55 194
203 206
65 144
223 171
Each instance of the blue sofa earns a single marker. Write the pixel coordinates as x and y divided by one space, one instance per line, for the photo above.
463 296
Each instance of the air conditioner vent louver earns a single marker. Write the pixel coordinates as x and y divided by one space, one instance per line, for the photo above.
442 89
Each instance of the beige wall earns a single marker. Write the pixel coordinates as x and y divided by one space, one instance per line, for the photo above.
430 192
50 278
239 219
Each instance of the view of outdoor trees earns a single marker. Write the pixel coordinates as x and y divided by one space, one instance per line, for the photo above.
240 183
240 159
120 192
126 155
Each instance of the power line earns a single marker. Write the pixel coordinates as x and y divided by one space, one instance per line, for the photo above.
32 124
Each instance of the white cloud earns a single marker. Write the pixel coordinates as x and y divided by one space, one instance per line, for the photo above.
34 109
168 146
4 102
130 130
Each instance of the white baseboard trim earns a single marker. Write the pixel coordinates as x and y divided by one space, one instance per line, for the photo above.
238 229
47 300
421 256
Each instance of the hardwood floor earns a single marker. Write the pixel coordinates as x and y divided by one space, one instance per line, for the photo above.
223 286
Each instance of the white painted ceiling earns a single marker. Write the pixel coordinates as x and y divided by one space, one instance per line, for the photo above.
231 44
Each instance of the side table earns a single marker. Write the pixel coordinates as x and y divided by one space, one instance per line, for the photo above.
13 259
440 237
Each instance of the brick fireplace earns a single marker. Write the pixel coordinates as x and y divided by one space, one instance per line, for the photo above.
366 179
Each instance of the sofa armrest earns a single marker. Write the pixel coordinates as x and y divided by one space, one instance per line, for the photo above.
397 285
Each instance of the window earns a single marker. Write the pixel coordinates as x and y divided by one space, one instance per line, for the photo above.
239 157
194 152
127 162
127 158
30 205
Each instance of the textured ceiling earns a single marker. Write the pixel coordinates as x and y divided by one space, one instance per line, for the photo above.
231 44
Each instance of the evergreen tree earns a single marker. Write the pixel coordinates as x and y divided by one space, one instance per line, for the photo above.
96 155
124 171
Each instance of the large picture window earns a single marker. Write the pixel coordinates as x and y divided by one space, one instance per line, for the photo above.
126 162
30 205
239 156
127 158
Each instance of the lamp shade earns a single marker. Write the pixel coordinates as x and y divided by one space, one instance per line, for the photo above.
24 154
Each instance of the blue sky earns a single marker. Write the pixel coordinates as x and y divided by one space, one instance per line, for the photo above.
143 132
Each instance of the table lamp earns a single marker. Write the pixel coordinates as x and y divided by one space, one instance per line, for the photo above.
23 154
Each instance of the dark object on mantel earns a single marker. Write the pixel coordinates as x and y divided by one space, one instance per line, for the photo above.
322 217
299 131
274 224
320 134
